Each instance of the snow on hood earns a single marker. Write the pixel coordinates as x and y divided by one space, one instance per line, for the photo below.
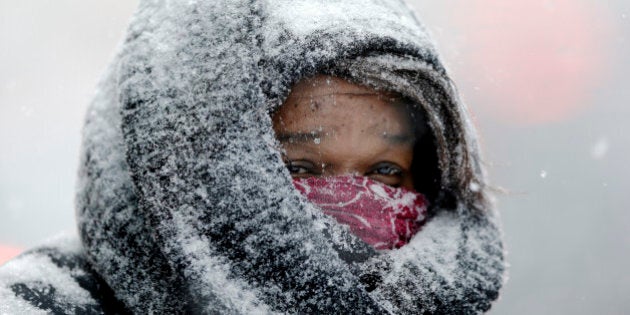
185 204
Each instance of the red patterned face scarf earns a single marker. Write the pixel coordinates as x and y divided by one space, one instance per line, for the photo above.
382 216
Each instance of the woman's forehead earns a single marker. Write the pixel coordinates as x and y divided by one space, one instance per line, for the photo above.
334 103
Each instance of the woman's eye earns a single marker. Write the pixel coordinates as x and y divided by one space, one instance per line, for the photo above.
299 167
387 170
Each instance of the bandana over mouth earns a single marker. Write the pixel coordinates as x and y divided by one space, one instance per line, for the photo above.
383 216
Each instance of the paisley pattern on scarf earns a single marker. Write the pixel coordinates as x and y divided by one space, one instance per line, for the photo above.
382 216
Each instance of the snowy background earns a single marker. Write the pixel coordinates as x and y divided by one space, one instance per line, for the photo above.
546 81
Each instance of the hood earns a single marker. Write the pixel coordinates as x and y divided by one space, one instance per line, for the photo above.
184 203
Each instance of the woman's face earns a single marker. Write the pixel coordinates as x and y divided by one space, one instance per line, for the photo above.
329 127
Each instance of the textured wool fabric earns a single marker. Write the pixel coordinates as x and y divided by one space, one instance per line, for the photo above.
380 215
185 206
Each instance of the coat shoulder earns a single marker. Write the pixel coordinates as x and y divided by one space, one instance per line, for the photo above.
54 278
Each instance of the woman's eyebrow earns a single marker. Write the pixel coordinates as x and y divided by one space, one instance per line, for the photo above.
293 137
301 137
403 138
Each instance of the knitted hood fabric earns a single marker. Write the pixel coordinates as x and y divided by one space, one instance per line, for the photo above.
185 206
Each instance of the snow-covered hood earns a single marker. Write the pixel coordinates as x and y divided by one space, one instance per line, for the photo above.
184 204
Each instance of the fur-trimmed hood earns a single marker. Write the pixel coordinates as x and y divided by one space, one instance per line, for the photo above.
185 206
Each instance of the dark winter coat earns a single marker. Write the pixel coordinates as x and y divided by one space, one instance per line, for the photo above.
185 206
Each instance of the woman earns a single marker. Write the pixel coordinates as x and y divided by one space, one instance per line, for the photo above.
184 201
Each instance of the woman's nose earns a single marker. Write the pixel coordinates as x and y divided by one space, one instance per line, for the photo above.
351 170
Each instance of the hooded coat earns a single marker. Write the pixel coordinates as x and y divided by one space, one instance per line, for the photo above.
185 206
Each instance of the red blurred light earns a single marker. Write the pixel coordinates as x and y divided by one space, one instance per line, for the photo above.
7 253
534 61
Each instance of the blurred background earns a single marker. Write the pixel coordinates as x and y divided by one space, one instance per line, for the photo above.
546 81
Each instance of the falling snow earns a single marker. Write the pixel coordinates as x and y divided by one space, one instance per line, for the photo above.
600 149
